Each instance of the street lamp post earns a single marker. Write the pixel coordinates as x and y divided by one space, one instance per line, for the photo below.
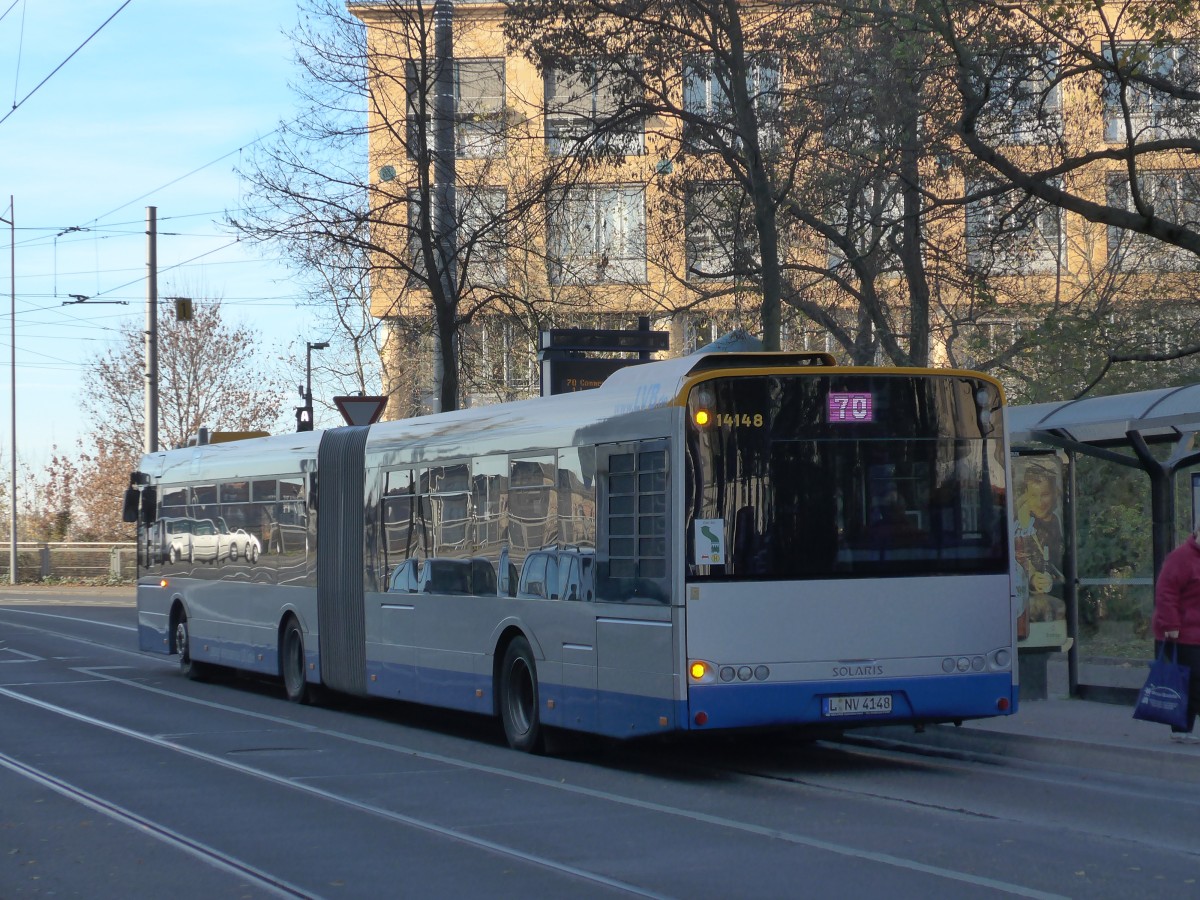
304 414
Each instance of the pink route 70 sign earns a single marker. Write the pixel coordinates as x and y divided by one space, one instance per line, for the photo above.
851 406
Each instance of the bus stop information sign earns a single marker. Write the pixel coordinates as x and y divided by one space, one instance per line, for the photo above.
566 368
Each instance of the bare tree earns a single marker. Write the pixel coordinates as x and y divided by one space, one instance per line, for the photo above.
355 198
803 178
210 374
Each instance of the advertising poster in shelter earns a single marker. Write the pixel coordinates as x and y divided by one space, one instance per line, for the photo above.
1039 548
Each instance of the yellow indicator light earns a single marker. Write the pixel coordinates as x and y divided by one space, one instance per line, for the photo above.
163 583
698 670
702 417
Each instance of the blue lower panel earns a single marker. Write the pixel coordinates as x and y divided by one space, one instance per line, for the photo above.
260 659
738 705
596 712
928 699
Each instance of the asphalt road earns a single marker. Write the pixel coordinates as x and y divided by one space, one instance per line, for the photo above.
119 778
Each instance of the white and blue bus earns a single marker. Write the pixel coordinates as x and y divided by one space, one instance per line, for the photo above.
718 541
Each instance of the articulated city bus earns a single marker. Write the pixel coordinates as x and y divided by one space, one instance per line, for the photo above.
718 541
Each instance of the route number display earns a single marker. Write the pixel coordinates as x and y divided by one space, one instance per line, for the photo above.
850 406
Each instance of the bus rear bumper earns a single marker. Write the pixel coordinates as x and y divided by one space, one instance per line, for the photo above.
842 705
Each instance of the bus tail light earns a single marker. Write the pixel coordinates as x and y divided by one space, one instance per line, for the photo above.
701 672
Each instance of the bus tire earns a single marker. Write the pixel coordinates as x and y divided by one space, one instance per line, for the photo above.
292 663
190 668
519 703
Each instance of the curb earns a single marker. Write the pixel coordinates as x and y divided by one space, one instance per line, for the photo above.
1181 764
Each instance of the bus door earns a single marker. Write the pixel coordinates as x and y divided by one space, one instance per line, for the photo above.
577 593
564 619
635 665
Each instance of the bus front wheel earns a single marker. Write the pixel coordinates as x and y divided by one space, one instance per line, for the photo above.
519 698
291 664
189 667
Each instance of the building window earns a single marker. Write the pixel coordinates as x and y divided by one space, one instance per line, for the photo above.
984 339
1011 232
481 236
708 105
1024 104
1173 196
871 222
598 235
719 233
1152 113
584 112
478 107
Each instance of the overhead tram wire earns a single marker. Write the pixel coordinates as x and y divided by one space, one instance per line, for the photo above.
17 104
20 50
188 175
4 14
169 268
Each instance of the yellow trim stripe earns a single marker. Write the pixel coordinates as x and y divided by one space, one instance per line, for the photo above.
817 371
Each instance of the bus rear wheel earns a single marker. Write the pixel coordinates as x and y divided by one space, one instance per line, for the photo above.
291 664
519 698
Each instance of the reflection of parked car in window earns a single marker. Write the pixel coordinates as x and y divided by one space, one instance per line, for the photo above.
444 576
206 541
237 544
405 577
558 574
176 537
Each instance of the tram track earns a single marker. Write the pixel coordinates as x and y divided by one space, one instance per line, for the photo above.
326 795
209 855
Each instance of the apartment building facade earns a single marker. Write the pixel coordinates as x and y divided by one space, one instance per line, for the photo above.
571 209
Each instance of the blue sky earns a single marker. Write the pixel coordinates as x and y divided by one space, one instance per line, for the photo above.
163 90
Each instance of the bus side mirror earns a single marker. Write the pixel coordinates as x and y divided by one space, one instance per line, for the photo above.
130 511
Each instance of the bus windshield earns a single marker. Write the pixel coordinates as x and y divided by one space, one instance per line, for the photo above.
844 475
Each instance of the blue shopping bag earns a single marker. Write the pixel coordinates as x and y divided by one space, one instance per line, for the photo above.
1164 698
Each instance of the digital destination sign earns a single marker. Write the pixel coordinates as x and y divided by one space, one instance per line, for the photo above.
851 406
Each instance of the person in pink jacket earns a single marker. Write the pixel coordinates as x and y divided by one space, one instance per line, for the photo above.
1177 619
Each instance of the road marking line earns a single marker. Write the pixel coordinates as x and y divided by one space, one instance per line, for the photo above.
704 818
390 815
192 847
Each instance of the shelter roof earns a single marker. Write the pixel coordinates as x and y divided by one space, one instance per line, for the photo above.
1157 415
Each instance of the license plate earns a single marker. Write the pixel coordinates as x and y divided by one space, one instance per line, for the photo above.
857 705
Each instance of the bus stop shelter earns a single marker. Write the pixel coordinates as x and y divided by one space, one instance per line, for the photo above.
1154 431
